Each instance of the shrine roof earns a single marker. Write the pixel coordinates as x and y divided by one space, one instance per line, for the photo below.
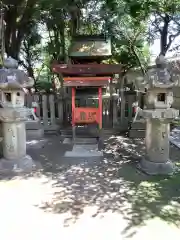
86 81
106 69
90 46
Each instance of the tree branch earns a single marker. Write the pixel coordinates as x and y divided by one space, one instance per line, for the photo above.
156 24
164 35
172 38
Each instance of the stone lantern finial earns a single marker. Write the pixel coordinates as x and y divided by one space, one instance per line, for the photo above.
159 75
12 77
10 63
161 62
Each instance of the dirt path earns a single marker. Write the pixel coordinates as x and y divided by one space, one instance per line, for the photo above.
108 199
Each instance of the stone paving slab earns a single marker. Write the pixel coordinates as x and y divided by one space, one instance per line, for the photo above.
20 198
49 151
67 141
80 141
90 150
89 199
86 147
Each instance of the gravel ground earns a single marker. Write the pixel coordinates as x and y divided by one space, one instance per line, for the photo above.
95 199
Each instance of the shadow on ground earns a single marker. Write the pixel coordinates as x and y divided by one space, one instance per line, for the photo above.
110 184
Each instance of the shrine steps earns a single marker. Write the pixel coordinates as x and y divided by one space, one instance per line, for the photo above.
80 132
92 133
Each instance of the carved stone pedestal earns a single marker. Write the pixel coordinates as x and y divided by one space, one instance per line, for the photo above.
156 160
14 142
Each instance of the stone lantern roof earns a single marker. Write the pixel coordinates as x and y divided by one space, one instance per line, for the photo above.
171 68
13 78
159 76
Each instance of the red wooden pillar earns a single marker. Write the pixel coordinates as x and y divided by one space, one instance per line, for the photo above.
100 107
73 106
73 114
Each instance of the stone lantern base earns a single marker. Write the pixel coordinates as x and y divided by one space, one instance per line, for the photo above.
23 165
155 168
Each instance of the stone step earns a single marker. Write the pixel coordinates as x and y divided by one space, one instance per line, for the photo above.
79 134
110 130
87 132
66 131
85 151
33 125
80 141
34 133
136 133
138 125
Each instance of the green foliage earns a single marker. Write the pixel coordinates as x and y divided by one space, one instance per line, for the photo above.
44 86
61 19
31 51
128 39
126 21
163 16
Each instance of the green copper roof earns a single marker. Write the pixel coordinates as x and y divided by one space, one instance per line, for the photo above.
90 47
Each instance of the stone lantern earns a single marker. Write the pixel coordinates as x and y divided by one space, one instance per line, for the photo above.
13 115
158 115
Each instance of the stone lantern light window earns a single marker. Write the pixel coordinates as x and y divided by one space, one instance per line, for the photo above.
8 96
161 97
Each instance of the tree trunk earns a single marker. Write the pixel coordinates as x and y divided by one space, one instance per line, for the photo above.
164 36
17 25
30 72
